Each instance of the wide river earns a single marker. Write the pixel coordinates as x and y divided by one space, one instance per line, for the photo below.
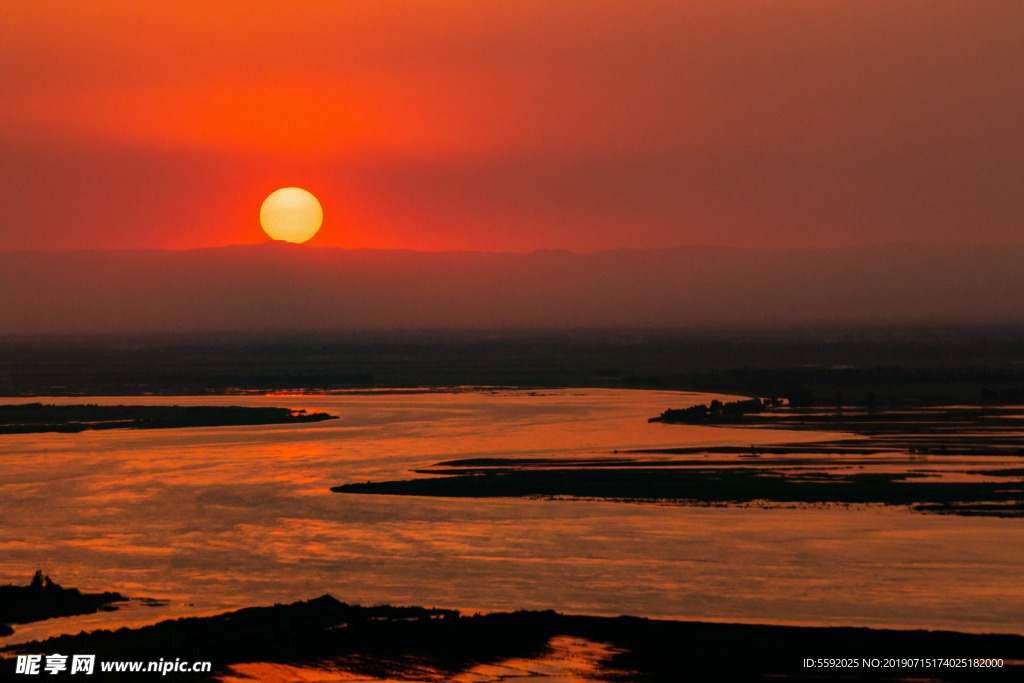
219 518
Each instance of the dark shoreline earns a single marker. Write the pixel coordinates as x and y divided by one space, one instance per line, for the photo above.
36 418
412 642
43 599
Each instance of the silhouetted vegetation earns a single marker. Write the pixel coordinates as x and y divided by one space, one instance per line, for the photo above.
435 644
36 417
44 599
715 413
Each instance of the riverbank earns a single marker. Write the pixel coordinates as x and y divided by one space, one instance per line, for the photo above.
413 643
43 599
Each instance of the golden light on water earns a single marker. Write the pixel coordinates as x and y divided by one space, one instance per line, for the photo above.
291 214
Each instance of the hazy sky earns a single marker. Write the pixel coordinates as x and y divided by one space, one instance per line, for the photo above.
472 124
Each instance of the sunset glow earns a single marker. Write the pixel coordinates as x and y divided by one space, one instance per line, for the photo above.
513 126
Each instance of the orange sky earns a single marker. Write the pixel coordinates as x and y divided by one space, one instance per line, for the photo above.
577 124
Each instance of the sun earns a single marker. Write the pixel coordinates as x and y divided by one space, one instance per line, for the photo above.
291 214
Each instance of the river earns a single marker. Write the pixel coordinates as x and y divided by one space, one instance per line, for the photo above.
212 519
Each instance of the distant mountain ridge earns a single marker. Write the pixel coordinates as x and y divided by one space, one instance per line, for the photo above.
285 287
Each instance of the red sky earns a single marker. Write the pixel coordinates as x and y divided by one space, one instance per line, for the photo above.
480 125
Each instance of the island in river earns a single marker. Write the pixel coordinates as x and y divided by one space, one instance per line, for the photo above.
33 418
955 460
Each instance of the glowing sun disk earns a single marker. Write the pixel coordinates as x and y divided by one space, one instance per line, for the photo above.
291 214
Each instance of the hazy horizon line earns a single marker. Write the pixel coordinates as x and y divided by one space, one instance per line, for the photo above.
718 247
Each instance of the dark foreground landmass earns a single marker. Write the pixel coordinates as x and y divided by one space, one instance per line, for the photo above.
32 418
44 599
414 643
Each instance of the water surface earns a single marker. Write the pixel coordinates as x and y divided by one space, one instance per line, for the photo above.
213 519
